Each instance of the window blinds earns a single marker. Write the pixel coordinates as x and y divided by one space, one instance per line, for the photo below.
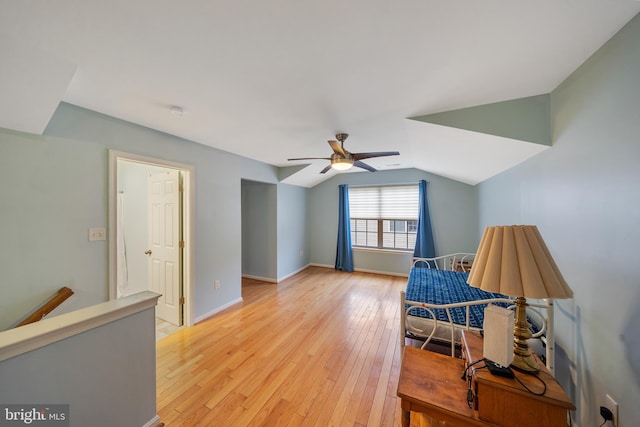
387 202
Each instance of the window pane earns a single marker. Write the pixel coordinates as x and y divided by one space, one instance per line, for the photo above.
412 226
387 240
411 241
400 226
372 239
401 241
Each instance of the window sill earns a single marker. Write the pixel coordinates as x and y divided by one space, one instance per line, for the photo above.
384 251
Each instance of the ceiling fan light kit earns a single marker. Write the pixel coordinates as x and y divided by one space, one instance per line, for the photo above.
341 164
342 159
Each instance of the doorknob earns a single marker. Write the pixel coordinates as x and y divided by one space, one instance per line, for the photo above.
147 252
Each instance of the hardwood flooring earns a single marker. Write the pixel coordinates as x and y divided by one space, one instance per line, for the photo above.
318 349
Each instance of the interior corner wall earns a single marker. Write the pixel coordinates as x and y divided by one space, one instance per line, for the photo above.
259 240
293 229
583 195
454 218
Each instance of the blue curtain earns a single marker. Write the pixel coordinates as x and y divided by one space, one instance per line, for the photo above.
424 238
344 255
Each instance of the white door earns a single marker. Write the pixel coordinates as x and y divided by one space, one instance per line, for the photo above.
165 275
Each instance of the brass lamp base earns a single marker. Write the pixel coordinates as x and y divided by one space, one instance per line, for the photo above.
525 364
523 360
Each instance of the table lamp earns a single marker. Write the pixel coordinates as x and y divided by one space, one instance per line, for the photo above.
514 260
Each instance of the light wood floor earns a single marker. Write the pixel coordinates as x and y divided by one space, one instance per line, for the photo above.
318 349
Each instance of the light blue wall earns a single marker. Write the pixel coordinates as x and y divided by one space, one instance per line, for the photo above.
59 189
52 192
293 229
259 240
453 207
107 375
584 196
275 230
525 119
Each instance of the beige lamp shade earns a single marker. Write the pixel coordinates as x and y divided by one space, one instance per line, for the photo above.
514 260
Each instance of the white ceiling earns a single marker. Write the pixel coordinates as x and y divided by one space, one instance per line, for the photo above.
273 80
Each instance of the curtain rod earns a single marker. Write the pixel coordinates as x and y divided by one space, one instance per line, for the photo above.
384 185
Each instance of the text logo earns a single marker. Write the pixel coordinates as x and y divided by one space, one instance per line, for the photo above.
34 415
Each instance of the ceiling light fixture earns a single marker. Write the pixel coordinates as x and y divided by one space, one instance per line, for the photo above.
341 164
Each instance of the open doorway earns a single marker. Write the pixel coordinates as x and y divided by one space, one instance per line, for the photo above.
259 231
151 236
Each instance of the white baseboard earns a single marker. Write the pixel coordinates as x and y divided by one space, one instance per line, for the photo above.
362 270
313 264
216 310
280 279
262 279
386 273
153 422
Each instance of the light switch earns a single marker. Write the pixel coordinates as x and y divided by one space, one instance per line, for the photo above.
97 234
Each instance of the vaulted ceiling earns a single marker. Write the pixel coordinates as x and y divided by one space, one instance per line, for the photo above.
274 80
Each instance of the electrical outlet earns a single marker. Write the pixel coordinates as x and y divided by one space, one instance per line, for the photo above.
216 284
97 233
613 407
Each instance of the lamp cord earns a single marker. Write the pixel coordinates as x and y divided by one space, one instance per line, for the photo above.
466 377
544 386
466 370
470 392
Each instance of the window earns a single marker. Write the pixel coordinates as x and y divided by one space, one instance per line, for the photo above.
384 217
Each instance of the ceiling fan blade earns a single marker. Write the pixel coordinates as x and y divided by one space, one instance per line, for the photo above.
364 166
360 156
337 148
311 158
325 170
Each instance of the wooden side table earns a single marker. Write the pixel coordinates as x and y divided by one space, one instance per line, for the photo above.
504 401
431 383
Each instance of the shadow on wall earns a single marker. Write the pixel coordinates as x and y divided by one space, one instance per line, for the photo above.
631 344
570 369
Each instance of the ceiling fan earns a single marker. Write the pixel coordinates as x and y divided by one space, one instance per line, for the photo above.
342 159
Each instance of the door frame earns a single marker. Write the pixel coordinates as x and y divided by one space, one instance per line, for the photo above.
188 221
